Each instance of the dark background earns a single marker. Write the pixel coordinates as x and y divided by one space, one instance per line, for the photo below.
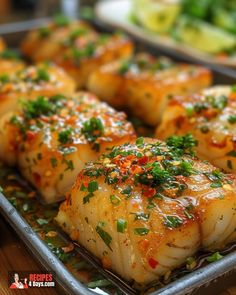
16 10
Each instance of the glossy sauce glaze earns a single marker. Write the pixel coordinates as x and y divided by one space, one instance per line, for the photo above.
211 117
76 47
145 207
144 83
30 82
52 138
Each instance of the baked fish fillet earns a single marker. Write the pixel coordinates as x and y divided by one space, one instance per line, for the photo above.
29 83
147 206
143 84
83 58
76 47
10 63
211 117
52 138
48 41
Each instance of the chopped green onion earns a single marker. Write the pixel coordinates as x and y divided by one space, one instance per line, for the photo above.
115 200
214 257
107 239
121 225
172 221
141 231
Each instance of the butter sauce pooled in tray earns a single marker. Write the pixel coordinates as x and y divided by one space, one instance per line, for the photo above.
141 208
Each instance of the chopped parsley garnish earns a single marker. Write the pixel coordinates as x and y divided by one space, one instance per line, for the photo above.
200 106
218 102
155 176
231 153
92 187
125 66
44 32
107 239
61 20
184 143
38 107
4 78
214 257
87 51
216 184
204 129
69 164
53 162
229 164
87 198
141 216
77 33
127 190
161 64
151 205
121 225
92 129
139 141
172 221
142 231
216 177
232 119
42 75
96 173
9 54
64 136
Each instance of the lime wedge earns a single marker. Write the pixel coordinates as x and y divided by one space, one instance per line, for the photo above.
203 36
157 16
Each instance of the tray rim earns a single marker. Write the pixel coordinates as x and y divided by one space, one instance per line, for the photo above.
184 285
40 251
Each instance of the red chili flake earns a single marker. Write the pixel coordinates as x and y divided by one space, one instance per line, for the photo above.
153 263
144 244
143 160
135 169
232 95
37 178
150 192
30 135
55 118
85 184
68 199
71 119
222 144
45 119
210 113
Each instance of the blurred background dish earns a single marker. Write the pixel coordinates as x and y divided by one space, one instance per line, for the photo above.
203 30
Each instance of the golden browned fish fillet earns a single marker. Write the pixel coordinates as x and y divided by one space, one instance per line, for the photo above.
2 44
47 42
76 47
145 207
144 84
31 82
211 117
81 60
10 63
51 139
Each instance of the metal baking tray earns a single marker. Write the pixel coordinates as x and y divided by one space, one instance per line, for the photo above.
205 280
